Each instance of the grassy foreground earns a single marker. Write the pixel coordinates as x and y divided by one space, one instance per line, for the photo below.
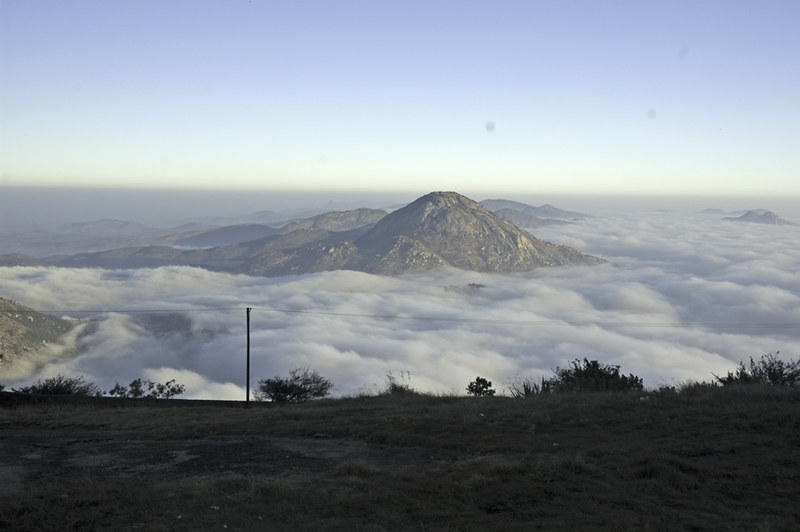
703 459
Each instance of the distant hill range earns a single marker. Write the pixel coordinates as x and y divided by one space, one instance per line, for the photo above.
23 330
759 217
330 221
543 215
438 229
230 234
520 219
108 227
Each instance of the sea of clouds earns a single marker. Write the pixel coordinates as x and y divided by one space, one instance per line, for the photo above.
684 295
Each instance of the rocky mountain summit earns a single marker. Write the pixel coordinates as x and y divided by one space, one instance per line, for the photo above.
438 229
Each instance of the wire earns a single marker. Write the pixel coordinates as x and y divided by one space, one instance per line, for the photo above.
525 322
123 311
573 323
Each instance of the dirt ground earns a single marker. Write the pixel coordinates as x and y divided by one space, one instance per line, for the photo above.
35 455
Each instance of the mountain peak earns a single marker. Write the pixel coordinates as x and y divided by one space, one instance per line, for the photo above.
443 198
447 228
436 211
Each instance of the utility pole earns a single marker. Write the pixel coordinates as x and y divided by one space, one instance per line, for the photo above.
247 399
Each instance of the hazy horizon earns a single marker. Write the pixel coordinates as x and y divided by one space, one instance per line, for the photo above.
28 208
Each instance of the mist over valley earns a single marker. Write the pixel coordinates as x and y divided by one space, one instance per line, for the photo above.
674 295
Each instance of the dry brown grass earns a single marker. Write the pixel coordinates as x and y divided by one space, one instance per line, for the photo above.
710 459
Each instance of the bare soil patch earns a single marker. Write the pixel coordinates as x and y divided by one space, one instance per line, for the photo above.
30 456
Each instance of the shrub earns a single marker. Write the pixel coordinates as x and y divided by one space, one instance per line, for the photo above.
590 376
61 385
769 370
136 389
301 385
398 385
480 387
688 387
526 388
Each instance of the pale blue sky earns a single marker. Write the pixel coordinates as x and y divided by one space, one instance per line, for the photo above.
613 97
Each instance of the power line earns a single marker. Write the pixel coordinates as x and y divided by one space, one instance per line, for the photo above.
523 322
125 311
487 321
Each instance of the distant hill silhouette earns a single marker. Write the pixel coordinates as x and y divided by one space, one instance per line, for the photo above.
520 219
230 234
438 229
234 234
108 227
763 217
337 220
545 211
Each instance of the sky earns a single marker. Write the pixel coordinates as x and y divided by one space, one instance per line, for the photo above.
684 296
562 97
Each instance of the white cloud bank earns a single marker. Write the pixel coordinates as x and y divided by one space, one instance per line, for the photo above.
683 296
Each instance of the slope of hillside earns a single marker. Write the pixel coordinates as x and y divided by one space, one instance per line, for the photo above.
337 220
23 330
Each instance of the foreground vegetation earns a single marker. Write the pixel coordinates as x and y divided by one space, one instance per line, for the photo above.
701 457
78 386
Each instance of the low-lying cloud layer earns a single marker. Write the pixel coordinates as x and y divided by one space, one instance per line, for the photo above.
683 296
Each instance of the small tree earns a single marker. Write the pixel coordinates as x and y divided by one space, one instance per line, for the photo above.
301 385
590 376
480 387
768 370
136 389
61 385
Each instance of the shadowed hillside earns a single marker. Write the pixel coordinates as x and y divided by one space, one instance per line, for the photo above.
23 330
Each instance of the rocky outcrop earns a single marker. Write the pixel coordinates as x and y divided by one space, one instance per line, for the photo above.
24 331
438 229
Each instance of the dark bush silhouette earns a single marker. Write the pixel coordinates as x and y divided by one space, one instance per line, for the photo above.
591 376
769 370
136 389
301 385
524 388
61 385
480 387
398 385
